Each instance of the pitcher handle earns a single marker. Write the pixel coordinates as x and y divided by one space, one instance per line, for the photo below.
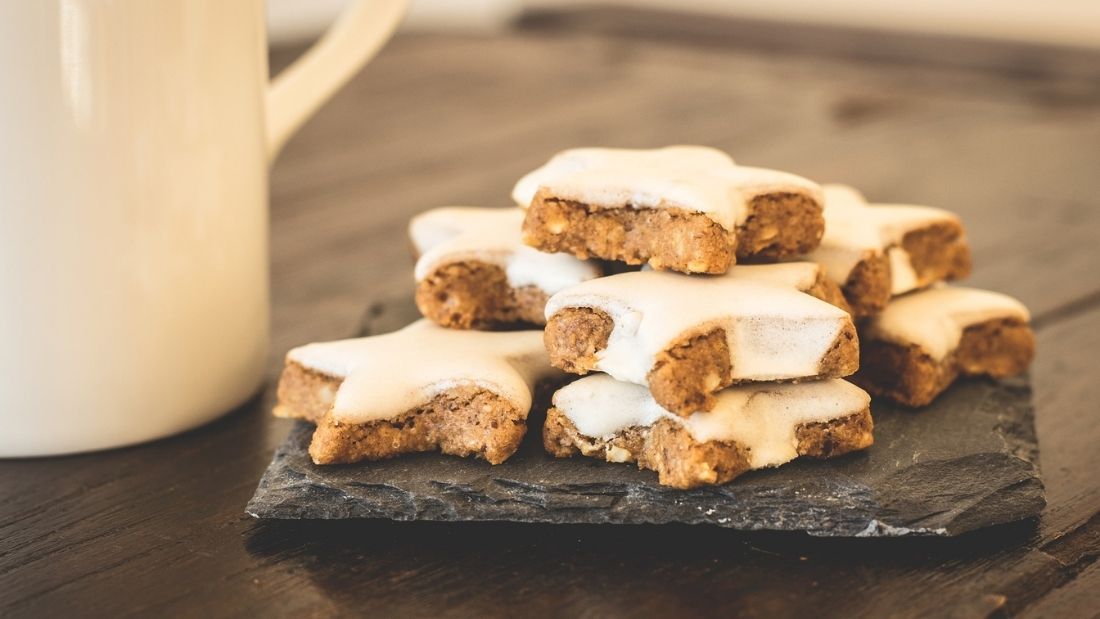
303 87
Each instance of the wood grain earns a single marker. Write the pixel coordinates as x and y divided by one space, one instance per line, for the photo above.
158 529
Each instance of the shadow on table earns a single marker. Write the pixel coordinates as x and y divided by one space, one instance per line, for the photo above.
476 567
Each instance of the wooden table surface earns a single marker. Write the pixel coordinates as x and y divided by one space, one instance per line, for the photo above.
1008 137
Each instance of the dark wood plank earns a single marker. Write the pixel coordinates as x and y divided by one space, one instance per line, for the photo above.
1069 600
158 529
791 36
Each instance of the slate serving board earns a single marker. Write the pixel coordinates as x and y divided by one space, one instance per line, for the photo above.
967 461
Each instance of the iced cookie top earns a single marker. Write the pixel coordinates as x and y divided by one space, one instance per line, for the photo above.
855 230
935 319
797 275
386 375
774 330
692 178
761 417
452 234
800 274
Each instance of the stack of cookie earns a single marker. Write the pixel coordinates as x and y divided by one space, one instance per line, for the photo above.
708 369
725 353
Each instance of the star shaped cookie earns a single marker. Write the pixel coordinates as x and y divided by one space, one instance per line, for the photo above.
474 271
875 251
418 389
683 208
924 340
751 426
687 337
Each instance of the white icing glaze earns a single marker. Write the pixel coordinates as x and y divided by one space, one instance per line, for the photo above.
452 234
386 375
797 275
762 417
903 277
693 178
774 331
855 230
935 319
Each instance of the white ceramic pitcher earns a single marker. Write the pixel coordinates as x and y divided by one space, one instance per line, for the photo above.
135 137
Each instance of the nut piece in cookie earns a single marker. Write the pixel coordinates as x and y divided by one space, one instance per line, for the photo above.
922 341
682 208
751 427
687 337
422 388
474 271
875 251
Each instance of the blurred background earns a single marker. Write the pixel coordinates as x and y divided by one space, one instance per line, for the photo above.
1059 22
984 107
